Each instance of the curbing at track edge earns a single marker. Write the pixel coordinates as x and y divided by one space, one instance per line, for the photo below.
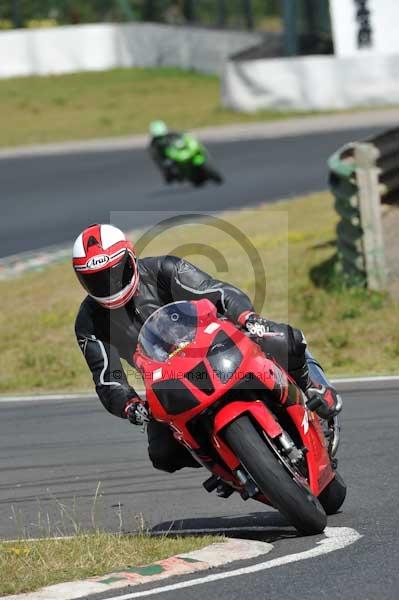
212 556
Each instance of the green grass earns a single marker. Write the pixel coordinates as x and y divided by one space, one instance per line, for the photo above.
28 566
295 239
112 103
57 108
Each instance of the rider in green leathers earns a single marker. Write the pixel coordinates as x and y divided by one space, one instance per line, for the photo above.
170 148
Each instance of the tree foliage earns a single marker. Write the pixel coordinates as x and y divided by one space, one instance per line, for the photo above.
264 14
207 12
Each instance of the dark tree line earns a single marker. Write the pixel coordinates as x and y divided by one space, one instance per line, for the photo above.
310 15
208 12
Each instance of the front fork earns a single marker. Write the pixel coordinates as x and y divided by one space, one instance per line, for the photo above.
333 435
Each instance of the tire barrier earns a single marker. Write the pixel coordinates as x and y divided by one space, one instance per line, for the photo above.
362 176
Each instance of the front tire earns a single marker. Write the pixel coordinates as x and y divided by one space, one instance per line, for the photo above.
296 503
333 496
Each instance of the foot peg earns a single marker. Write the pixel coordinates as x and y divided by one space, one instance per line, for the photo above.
212 483
223 490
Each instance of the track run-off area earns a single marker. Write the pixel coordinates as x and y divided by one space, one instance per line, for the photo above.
53 453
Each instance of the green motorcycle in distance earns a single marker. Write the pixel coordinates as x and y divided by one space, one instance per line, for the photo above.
183 158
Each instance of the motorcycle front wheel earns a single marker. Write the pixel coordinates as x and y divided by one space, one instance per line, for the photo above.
333 496
294 501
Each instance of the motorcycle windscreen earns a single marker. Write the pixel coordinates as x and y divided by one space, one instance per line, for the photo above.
224 357
168 330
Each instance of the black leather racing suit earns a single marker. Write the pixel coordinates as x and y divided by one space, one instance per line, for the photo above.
158 147
105 336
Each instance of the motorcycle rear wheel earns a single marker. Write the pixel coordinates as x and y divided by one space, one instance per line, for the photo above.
295 502
213 175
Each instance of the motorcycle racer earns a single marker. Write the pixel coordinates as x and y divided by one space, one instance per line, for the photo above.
169 147
161 140
123 291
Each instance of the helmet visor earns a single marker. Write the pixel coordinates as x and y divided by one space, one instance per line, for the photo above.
108 282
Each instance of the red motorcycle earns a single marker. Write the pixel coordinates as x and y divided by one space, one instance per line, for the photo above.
239 413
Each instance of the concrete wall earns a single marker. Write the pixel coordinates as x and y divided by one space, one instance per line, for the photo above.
104 46
311 83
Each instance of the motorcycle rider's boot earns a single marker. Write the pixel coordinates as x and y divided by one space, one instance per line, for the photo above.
169 176
323 397
168 170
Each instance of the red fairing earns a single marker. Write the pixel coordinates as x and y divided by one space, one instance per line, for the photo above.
319 465
232 411
256 409
176 398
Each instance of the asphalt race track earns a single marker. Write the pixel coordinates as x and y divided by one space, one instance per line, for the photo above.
53 452
48 200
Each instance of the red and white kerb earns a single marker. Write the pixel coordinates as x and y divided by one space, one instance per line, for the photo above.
105 264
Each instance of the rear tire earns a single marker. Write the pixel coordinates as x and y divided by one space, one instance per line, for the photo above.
333 496
198 183
213 175
296 503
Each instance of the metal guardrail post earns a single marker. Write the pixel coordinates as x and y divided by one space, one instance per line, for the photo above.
362 176
367 175
290 27
349 231
354 181
221 13
126 9
248 14
16 13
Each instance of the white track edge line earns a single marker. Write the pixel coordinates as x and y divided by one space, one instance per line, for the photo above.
376 379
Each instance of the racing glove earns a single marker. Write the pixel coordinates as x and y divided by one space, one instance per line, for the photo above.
285 344
255 324
136 411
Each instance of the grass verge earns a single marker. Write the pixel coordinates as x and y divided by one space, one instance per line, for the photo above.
111 103
28 566
295 240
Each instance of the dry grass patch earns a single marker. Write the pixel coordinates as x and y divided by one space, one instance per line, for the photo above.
295 240
28 566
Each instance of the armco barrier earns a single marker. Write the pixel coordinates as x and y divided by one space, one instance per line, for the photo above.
362 175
